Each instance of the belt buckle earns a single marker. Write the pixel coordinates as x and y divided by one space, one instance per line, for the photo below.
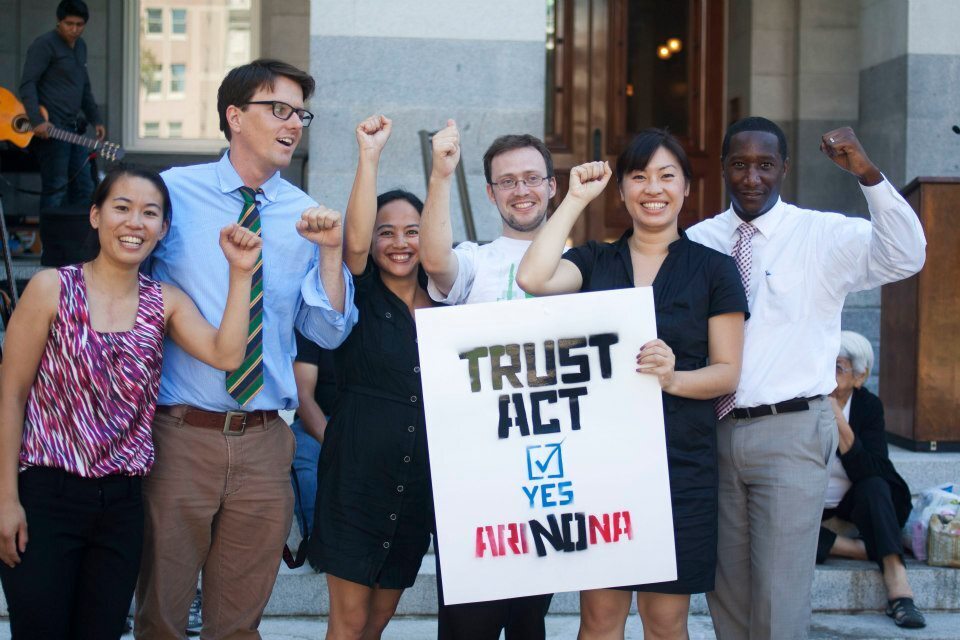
227 431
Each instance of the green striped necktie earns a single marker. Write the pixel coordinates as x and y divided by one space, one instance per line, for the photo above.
247 381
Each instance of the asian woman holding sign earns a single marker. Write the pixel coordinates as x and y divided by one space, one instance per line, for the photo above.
700 311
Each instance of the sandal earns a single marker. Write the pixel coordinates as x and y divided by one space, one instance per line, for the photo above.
905 613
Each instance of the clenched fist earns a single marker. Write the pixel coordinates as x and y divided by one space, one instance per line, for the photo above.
446 150
587 181
321 226
842 146
240 246
372 133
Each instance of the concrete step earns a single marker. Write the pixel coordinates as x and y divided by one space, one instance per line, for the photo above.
923 470
839 586
825 626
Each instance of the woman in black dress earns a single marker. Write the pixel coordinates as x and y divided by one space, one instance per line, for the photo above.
700 310
373 517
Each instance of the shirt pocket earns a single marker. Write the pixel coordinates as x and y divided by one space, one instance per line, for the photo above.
785 301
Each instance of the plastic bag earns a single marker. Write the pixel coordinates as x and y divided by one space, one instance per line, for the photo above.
943 500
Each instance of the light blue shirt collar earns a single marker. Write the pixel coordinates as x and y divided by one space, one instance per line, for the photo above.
230 180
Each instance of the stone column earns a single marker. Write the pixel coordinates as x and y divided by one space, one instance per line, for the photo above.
909 86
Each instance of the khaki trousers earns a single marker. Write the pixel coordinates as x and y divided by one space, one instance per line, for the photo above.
773 473
221 503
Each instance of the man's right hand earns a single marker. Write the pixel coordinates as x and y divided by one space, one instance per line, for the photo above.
13 533
446 150
43 130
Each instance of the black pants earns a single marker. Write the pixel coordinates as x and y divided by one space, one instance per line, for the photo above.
869 506
76 578
522 618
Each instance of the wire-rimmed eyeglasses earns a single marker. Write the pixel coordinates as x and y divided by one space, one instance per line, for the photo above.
531 182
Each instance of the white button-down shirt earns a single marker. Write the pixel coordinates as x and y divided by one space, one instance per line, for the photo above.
804 264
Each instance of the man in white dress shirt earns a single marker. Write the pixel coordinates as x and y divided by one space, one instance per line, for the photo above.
775 444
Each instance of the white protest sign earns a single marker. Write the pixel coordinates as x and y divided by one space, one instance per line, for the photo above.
547 448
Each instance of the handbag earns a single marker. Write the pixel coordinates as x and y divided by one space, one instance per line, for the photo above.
943 541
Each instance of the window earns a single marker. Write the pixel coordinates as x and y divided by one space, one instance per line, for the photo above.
178 21
154 21
222 34
178 78
152 79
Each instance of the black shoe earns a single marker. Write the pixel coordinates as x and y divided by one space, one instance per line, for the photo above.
905 614
194 621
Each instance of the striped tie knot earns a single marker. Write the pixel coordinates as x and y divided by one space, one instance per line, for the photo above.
247 381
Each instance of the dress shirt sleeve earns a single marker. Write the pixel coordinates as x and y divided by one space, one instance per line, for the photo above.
864 255
317 319
38 59
466 253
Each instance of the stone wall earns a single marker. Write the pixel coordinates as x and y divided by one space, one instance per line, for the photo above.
421 62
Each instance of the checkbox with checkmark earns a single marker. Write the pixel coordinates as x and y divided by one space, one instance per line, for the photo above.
544 461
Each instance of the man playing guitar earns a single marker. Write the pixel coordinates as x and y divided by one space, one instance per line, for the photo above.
55 75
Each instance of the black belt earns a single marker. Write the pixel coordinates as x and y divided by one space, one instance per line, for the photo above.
787 406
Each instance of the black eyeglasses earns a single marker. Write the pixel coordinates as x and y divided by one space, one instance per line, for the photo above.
283 111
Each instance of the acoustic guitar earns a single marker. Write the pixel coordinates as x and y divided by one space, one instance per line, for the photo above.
15 126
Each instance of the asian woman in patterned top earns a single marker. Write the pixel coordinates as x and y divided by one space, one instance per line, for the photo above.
77 396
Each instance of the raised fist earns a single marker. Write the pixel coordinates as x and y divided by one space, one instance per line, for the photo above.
372 133
842 146
446 150
240 246
587 181
321 226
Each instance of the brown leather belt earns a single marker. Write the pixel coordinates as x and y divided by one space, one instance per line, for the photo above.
231 423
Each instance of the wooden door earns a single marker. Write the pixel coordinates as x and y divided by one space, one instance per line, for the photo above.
607 79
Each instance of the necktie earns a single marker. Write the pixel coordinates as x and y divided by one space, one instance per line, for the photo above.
247 381
743 256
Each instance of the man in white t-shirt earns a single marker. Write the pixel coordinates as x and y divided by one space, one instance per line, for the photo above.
520 182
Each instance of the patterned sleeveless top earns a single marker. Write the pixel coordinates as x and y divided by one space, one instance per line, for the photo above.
90 409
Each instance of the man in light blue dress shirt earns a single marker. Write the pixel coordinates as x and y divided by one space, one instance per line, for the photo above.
218 497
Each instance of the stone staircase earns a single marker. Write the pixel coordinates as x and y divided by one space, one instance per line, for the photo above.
840 586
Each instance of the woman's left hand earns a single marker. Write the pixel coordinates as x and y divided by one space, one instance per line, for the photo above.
656 357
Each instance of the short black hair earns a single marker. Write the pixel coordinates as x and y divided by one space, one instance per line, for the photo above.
637 155
399 194
755 123
102 191
241 83
76 8
515 141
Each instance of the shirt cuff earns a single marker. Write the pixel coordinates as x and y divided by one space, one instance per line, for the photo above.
318 320
882 195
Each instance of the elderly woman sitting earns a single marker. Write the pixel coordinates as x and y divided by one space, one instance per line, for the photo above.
864 488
